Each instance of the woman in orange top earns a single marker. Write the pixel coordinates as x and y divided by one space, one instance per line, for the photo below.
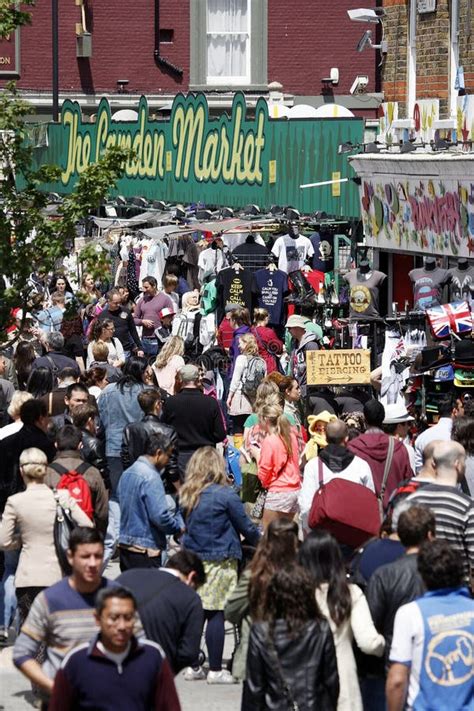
278 468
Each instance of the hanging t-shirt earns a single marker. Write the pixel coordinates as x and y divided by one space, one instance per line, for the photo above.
211 261
427 287
323 245
292 253
235 287
251 255
273 287
364 294
461 281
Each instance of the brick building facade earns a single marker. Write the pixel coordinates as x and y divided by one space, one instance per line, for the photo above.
426 50
294 44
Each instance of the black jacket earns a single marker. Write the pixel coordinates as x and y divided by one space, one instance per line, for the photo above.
10 449
308 663
134 442
125 329
389 587
170 611
93 452
196 418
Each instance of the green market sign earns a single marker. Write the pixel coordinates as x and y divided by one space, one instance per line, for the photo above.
232 160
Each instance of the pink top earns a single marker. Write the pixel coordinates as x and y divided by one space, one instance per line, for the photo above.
277 471
166 376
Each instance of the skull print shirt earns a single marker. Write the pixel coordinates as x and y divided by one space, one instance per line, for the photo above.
364 294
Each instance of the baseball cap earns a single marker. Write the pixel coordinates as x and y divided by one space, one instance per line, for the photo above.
165 312
464 378
231 307
296 321
189 373
444 374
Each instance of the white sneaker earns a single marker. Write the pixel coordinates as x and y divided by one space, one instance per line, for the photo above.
191 674
220 677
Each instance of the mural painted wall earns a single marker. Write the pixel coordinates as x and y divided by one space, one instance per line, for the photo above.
419 215
233 160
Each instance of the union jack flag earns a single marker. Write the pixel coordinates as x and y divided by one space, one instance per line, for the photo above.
450 318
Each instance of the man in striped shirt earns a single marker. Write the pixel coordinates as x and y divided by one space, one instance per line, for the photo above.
453 510
62 616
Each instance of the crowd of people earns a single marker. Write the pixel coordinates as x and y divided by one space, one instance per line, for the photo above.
338 543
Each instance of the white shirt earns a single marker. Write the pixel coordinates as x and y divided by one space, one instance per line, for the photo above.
442 430
211 260
292 253
407 645
358 472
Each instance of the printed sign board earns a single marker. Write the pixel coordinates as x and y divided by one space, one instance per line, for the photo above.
426 6
10 55
344 367
236 159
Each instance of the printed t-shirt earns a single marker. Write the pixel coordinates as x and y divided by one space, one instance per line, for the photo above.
272 287
364 294
461 281
292 253
427 287
323 245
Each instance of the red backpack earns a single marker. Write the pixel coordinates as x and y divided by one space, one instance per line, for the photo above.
349 511
73 480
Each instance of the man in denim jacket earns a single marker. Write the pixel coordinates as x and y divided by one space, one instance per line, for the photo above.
145 518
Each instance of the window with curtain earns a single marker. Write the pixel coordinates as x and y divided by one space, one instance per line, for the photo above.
228 41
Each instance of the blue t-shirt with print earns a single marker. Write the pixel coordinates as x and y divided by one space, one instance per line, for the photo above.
272 287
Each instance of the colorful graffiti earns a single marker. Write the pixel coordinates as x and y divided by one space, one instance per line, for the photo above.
465 119
419 215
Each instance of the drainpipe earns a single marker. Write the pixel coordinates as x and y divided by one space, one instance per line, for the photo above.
161 61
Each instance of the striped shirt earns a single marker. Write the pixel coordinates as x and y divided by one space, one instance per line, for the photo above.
62 618
454 514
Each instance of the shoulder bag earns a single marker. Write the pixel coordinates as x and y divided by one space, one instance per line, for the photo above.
63 525
259 505
386 472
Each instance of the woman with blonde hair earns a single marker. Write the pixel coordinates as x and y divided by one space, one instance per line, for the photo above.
239 405
278 468
28 523
215 520
168 361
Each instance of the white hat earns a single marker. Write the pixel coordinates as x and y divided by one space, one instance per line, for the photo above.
296 321
396 413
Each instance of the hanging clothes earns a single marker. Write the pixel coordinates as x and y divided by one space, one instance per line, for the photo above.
132 281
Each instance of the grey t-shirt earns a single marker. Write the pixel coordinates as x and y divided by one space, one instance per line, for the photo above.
364 294
427 287
461 281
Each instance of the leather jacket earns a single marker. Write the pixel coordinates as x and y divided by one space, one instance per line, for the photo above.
93 452
134 441
307 663
389 587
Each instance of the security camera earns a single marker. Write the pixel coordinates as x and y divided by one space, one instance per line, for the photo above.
365 41
360 84
366 15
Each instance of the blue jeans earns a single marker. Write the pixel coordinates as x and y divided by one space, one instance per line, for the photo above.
7 587
150 346
115 467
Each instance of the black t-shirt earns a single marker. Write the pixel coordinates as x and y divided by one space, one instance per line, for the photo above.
235 287
251 255
323 245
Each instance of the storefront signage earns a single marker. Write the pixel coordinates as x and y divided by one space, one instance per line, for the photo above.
344 367
234 159
10 55
428 213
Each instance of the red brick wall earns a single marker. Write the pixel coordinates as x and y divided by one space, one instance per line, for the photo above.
305 39
122 46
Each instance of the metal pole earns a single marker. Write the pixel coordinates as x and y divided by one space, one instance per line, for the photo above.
55 42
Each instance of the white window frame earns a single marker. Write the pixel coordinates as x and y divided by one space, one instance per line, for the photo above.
234 80
411 99
453 57
257 71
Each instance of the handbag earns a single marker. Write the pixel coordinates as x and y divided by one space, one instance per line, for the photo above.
349 511
251 486
63 525
257 511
